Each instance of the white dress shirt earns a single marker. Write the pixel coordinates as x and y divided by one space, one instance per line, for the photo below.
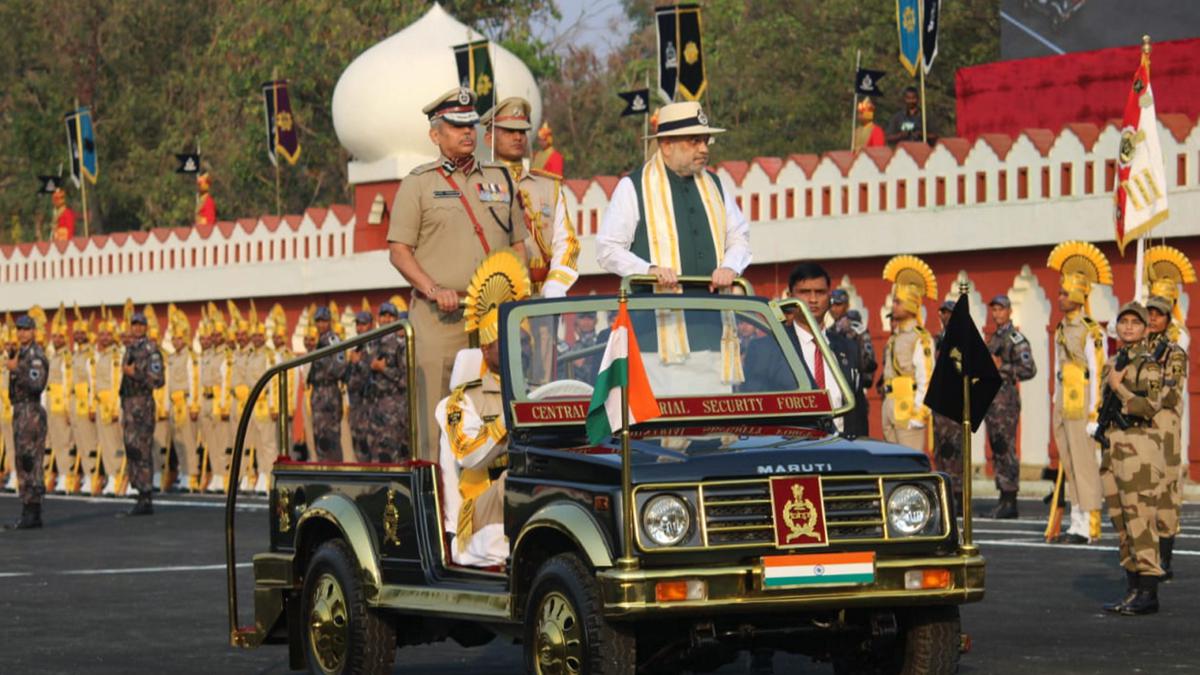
808 350
620 221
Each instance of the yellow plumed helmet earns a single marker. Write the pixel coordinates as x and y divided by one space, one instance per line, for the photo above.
1168 268
1081 265
912 279
397 300
500 278
80 324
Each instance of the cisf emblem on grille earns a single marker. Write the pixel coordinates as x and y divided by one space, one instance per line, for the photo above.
798 512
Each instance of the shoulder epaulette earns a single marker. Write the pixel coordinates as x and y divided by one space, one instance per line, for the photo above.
1016 337
470 385
425 168
545 174
492 165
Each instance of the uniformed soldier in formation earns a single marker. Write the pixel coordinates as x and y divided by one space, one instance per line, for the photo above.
947 433
61 462
165 474
7 469
584 368
264 423
1133 462
184 399
1167 270
283 353
216 362
448 215
28 369
1014 359
83 404
474 441
325 386
240 381
387 393
1079 353
143 372
106 378
908 356
357 378
310 346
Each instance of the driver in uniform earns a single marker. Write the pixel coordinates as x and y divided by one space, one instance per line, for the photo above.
474 440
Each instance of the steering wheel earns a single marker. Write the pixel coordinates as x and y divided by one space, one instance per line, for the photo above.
563 388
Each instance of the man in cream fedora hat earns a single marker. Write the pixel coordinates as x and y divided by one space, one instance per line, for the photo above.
673 217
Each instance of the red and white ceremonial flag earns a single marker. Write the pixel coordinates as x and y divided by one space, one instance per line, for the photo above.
1141 199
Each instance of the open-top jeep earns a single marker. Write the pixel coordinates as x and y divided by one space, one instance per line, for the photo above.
737 519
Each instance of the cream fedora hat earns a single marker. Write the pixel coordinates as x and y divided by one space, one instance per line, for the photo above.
685 118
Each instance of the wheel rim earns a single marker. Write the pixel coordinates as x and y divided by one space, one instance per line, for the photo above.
328 624
559 636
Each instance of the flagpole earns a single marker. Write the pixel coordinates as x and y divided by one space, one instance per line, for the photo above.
854 108
968 547
626 561
646 123
1140 266
275 136
921 66
87 221
495 95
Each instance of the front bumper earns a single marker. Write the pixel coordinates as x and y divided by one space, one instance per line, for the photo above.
738 589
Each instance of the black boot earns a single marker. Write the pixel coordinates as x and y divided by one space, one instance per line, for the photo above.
1166 548
1131 587
143 507
31 518
1006 508
1146 599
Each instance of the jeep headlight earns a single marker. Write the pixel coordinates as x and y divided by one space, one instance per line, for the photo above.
909 510
666 520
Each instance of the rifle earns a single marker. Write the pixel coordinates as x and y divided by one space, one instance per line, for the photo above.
1110 406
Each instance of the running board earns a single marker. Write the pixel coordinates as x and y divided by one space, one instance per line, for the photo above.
455 603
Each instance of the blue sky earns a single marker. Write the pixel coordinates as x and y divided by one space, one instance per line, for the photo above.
597 23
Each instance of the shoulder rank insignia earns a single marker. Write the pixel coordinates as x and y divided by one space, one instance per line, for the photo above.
1016 337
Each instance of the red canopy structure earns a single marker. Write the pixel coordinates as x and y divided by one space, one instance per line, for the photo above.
1049 92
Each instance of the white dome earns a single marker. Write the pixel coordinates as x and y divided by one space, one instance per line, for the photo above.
378 99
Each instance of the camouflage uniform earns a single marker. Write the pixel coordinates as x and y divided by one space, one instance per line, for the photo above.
138 412
584 369
387 402
324 381
1132 468
947 442
1016 365
1173 362
357 377
25 386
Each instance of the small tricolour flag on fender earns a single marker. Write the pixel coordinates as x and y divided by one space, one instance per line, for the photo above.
1141 199
621 367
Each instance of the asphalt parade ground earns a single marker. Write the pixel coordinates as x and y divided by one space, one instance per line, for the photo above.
92 593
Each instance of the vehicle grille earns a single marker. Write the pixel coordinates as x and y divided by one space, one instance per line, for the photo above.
739 513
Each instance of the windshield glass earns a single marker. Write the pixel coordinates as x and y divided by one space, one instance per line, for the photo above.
694 348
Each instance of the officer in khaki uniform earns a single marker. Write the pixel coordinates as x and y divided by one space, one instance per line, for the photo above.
447 217
552 245
183 396
83 405
265 420
1133 465
908 355
216 362
474 441
60 461
1079 352
106 378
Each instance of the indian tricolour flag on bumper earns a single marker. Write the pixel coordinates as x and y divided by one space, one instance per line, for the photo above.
621 367
820 569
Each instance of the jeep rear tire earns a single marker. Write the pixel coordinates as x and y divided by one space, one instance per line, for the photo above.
928 644
341 635
565 629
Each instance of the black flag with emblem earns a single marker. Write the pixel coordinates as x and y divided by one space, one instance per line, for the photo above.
963 353
474 63
48 184
866 82
637 102
931 17
680 52
189 163
281 124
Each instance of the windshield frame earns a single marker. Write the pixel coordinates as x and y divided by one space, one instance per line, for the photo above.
519 411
